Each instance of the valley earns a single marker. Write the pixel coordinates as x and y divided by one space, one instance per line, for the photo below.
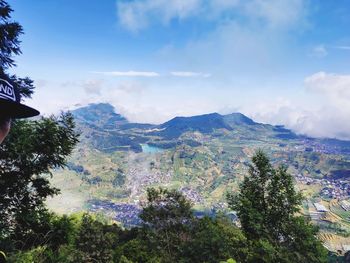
205 157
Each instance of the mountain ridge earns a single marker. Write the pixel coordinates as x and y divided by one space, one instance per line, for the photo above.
99 114
93 112
203 156
108 130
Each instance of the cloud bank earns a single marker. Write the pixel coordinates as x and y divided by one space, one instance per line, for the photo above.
140 14
187 74
249 50
330 118
129 73
137 15
93 86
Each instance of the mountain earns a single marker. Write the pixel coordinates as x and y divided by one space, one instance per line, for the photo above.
234 119
108 131
207 123
101 115
102 128
203 156
215 136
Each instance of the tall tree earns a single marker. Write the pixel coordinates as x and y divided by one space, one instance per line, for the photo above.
267 207
95 241
9 47
9 33
29 153
213 240
167 218
27 156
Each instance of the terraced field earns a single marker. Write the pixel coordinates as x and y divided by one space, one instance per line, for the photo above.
109 164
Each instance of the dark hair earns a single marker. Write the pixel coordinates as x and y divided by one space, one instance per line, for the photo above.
4 120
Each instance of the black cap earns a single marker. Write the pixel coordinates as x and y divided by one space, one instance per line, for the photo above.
10 105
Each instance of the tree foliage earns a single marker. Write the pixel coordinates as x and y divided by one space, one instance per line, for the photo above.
213 240
9 33
95 241
30 152
9 47
267 207
267 204
167 218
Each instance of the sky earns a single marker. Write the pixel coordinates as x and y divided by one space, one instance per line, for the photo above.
283 62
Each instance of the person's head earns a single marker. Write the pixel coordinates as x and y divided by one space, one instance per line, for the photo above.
10 106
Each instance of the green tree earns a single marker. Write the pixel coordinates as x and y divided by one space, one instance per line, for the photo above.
137 250
167 218
267 207
214 240
96 241
29 153
9 32
9 47
229 261
27 156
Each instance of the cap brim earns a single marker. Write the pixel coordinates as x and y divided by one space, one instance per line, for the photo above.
16 110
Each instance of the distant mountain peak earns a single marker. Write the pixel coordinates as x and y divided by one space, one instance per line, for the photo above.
99 114
196 117
205 123
101 107
238 119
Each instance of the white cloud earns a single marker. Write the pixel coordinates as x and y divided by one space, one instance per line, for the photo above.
189 74
245 42
274 111
223 4
93 86
147 74
328 118
321 110
250 40
136 15
277 13
139 14
90 86
141 104
48 102
334 87
129 73
131 88
319 51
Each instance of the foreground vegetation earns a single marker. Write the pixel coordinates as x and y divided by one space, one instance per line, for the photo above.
266 206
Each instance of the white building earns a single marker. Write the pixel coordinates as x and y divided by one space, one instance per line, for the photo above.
320 208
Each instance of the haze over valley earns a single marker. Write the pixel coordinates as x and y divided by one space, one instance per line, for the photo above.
175 131
204 157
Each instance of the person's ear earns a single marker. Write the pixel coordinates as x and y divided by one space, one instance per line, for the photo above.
5 126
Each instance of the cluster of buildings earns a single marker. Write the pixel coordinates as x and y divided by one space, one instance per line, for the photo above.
192 195
127 214
314 146
331 188
139 180
345 205
335 189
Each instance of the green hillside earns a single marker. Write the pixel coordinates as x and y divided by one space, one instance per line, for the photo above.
203 156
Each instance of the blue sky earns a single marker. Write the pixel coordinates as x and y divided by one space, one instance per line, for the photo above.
278 61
